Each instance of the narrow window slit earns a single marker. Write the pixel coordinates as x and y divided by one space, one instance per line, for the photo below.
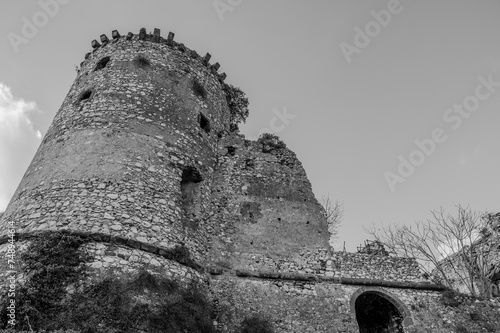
84 96
102 63
204 123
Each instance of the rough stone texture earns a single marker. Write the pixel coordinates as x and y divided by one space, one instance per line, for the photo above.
324 307
118 259
337 264
265 203
140 159
113 163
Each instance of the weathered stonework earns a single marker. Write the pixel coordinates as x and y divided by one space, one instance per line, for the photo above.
140 160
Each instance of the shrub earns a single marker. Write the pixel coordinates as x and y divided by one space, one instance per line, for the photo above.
238 106
256 324
51 263
270 142
450 298
55 264
118 305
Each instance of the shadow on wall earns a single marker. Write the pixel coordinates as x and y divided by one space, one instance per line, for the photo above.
191 196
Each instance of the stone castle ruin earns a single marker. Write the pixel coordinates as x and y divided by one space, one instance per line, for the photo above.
142 159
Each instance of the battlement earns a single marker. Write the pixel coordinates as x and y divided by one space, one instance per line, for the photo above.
156 37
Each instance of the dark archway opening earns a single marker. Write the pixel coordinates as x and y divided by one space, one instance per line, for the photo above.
375 314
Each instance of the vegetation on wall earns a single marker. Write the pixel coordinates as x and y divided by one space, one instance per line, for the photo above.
238 106
51 263
472 316
451 298
143 302
270 142
57 294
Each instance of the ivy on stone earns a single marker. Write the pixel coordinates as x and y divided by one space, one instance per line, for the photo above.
52 263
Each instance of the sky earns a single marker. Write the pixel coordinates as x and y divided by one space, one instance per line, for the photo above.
391 106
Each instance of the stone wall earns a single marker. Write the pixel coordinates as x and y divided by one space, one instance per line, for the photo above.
298 306
114 158
337 264
265 203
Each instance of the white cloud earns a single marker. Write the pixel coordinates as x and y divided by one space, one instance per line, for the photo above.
18 141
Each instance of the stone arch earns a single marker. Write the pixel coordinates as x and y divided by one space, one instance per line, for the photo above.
396 311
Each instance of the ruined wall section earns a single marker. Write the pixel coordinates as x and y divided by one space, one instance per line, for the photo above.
265 205
270 220
340 265
114 158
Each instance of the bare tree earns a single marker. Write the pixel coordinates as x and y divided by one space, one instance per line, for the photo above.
446 245
334 212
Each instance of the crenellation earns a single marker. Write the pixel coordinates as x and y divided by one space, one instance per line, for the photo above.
156 35
170 39
104 39
95 44
115 34
206 58
142 34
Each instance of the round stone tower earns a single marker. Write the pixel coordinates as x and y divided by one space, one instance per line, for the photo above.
130 153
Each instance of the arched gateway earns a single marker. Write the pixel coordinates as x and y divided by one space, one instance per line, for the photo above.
378 311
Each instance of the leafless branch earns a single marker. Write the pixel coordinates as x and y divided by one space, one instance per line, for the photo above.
446 245
334 213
